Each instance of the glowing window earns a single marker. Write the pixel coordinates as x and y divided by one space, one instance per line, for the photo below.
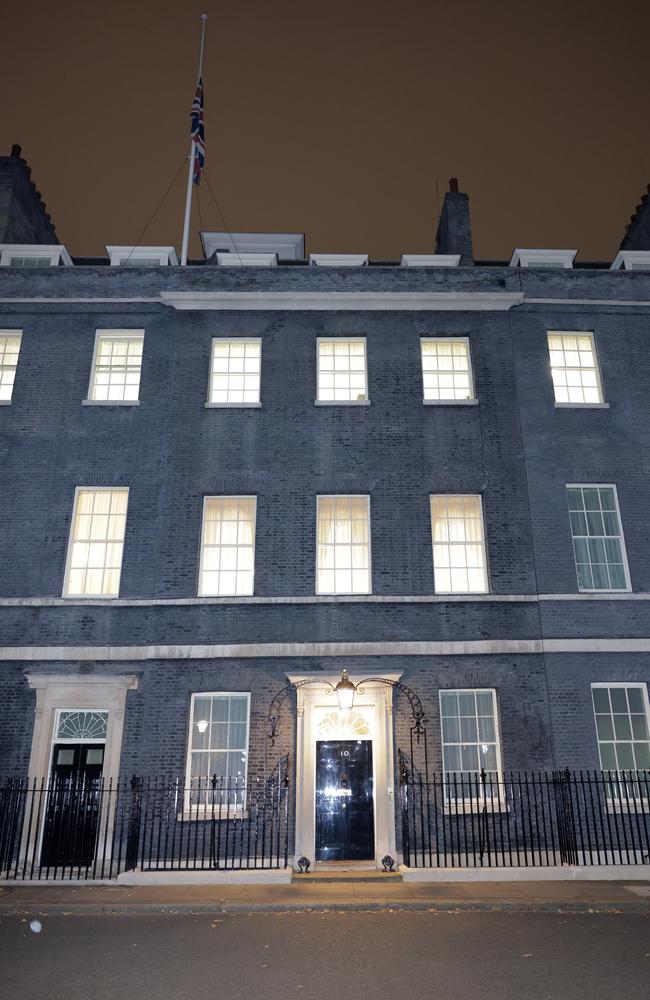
9 351
116 367
574 368
96 543
342 375
235 372
227 547
343 565
446 368
459 563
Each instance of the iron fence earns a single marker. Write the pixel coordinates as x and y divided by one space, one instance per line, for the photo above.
525 819
73 828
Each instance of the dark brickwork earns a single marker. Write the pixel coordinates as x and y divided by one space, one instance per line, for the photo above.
23 218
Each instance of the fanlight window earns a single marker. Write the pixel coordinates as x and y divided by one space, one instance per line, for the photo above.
82 725
343 725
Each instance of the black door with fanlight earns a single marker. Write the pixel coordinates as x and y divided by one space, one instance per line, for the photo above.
344 801
71 823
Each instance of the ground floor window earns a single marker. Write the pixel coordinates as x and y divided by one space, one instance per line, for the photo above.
470 744
622 718
218 749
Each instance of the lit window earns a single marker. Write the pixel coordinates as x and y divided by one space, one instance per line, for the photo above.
446 369
343 545
574 368
459 564
218 747
470 744
598 544
117 364
96 543
342 376
622 716
235 372
227 547
9 351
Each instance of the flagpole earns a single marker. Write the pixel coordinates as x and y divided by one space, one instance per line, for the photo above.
188 197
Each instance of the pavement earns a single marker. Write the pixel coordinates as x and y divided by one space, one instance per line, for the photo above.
630 896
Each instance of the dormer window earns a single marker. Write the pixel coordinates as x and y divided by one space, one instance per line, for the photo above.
430 260
338 259
631 260
230 258
33 255
543 258
130 256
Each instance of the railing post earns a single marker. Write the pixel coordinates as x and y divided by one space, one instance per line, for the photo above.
404 805
133 834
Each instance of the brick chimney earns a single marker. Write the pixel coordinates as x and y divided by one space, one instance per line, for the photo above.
637 234
454 228
23 218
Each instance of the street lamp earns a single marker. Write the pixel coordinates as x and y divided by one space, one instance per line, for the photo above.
345 691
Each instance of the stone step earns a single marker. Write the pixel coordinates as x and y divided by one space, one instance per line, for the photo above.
370 875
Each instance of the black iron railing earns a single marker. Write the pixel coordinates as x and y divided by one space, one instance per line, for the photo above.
525 819
79 829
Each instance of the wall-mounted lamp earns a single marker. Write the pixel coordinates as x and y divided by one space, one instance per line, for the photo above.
345 692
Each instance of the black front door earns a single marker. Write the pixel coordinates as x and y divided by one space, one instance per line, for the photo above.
344 805
73 804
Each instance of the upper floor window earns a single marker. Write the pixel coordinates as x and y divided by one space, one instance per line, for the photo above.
446 369
574 368
342 370
227 547
139 256
598 545
343 563
543 258
33 255
632 260
96 543
235 372
117 362
9 351
470 744
218 746
459 563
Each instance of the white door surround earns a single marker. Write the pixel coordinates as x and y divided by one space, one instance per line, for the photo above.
316 704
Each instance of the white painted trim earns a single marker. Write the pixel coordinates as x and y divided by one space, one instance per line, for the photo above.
430 260
188 756
378 699
542 258
55 251
165 255
338 259
349 301
432 339
288 246
581 406
230 340
625 259
247 259
345 340
253 650
594 351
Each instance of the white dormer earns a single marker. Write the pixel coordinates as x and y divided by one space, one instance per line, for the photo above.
631 260
130 256
543 258
430 260
33 255
234 259
286 246
338 259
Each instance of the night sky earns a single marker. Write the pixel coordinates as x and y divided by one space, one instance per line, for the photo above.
343 120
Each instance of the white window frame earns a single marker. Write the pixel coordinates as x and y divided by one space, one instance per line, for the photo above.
347 496
342 402
626 259
626 568
577 406
470 804
226 496
112 335
93 597
470 400
486 573
56 253
198 810
430 260
234 405
338 259
641 804
19 335
559 259
162 255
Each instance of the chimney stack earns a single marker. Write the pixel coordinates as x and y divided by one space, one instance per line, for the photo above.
454 227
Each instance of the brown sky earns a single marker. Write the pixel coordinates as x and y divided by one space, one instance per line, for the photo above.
335 118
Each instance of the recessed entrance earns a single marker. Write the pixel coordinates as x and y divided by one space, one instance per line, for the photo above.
344 801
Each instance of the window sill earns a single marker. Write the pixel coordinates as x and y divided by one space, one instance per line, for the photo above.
233 406
461 593
635 807
341 402
5 402
581 406
450 402
110 402
619 590
90 597
335 593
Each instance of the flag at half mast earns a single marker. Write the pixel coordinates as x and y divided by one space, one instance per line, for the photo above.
197 131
